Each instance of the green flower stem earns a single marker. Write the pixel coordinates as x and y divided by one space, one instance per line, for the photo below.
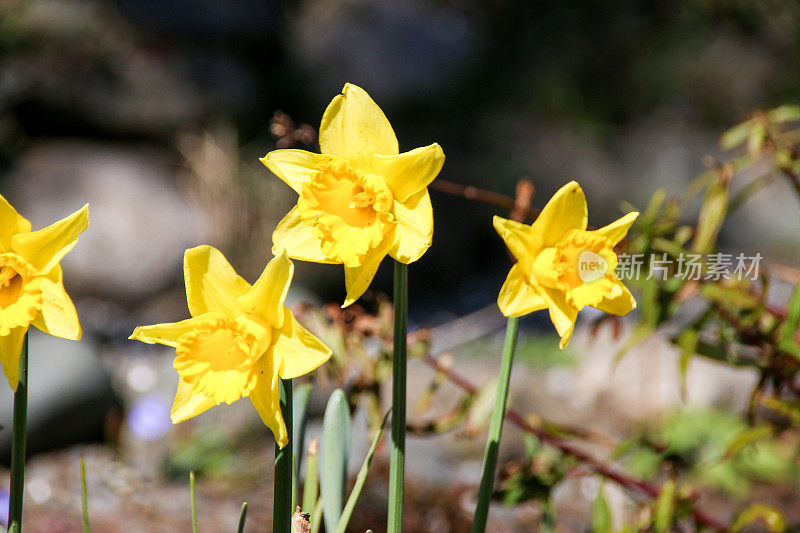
282 508
18 441
193 501
495 428
397 460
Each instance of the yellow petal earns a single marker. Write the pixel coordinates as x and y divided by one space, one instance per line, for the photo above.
166 333
211 282
298 239
357 279
562 315
10 347
617 230
410 172
354 126
266 399
565 211
58 316
11 223
518 297
295 350
269 292
188 403
44 248
414 232
520 239
295 167
620 303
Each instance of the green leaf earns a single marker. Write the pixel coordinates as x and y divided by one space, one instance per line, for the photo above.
729 297
334 456
242 518
192 501
787 341
770 516
300 396
360 479
317 517
84 498
784 113
310 484
745 439
736 135
601 514
711 217
665 507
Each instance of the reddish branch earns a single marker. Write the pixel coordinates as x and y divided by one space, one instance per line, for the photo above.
604 469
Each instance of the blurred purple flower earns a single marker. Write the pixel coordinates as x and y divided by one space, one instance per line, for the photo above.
4 498
149 419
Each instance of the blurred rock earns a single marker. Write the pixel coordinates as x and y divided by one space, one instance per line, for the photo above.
394 49
139 224
69 395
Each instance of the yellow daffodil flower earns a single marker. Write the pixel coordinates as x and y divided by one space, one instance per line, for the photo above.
31 287
360 199
240 340
561 266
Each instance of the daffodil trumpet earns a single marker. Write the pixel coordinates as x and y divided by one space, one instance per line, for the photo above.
562 267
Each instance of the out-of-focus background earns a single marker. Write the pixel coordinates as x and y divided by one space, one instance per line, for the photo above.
155 112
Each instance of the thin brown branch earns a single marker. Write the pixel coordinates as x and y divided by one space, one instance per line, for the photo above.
606 470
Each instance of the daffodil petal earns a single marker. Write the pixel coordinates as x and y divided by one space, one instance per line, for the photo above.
354 126
11 223
295 167
565 211
521 240
298 239
357 279
166 333
410 172
562 315
188 403
518 297
621 303
265 299
211 282
296 350
617 230
58 316
414 233
43 249
10 347
266 399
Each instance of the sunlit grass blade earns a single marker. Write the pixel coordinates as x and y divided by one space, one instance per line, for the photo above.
300 398
398 452
282 503
242 518
193 501
360 479
18 435
84 498
495 428
310 484
317 517
334 456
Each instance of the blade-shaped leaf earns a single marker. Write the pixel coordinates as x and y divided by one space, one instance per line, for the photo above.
360 479
334 456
